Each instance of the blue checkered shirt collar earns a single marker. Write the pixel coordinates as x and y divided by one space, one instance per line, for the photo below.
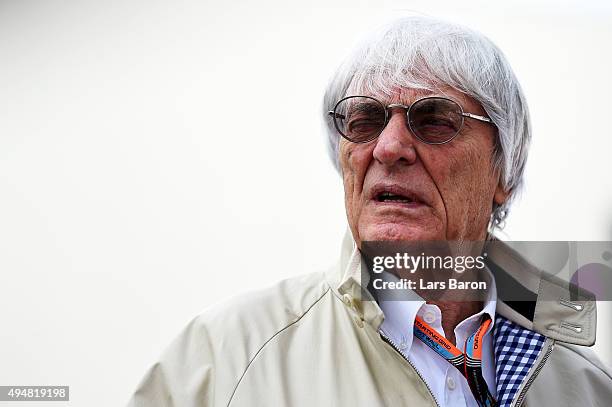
516 350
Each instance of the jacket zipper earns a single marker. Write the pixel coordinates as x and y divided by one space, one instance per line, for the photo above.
521 397
394 346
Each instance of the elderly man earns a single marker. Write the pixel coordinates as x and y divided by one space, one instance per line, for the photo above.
429 129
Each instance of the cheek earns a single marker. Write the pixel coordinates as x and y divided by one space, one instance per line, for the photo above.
354 162
466 180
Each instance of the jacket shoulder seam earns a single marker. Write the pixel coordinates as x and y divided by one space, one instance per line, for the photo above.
606 373
281 330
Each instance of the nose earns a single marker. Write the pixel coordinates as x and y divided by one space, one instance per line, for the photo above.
395 145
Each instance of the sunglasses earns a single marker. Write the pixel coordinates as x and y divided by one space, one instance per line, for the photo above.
433 120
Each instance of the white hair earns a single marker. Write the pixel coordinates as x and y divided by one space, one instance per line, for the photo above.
426 53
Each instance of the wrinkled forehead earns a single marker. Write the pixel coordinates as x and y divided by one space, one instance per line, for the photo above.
406 90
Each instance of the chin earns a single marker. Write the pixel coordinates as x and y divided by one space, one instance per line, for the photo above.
397 232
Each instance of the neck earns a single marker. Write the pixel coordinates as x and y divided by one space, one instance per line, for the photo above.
453 312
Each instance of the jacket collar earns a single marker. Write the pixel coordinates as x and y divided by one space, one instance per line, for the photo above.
546 307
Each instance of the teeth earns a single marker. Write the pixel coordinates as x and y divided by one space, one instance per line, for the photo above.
388 196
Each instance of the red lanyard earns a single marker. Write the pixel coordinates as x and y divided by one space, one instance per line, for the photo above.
468 363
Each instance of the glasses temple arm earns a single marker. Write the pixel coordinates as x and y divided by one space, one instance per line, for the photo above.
336 115
477 117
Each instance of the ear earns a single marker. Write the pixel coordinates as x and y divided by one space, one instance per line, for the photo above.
501 194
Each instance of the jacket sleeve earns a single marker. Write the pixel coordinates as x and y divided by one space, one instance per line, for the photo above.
205 365
184 375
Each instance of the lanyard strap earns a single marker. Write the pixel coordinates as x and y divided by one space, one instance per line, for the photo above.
468 363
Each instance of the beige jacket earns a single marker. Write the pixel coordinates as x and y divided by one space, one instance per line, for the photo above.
311 341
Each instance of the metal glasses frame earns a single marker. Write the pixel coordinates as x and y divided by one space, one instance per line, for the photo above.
408 109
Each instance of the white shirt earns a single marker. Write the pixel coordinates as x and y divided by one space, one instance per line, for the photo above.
449 387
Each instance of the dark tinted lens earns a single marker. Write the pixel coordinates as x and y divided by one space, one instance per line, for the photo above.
360 119
435 120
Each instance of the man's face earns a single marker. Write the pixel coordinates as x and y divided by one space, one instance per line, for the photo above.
399 188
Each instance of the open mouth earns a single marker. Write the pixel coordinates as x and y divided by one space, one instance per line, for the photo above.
396 195
394 198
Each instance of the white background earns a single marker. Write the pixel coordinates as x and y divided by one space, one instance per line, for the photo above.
159 156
